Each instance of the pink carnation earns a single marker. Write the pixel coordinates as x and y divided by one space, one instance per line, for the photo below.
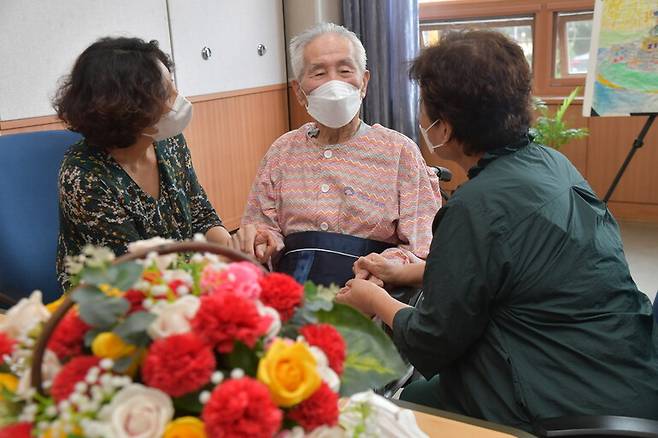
241 279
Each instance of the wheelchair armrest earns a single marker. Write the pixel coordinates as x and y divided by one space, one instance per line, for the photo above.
443 173
595 426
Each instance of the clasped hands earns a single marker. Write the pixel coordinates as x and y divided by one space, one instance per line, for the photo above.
370 272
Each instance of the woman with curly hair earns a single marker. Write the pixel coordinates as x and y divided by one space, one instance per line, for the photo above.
131 176
529 310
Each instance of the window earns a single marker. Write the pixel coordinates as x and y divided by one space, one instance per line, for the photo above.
572 34
518 28
554 34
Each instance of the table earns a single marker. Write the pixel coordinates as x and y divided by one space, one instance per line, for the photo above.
443 424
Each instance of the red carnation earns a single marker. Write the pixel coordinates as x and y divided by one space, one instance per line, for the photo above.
225 318
17 430
175 284
73 372
281 292
320 409
178 364
329 340
136 299
68 338
239 408
6 346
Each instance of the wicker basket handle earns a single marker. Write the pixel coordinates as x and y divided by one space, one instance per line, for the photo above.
187 246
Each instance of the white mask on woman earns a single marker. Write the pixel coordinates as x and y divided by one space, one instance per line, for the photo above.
175 121
431 147
334 104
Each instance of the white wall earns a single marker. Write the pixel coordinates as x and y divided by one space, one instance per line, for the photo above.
42 38
232 29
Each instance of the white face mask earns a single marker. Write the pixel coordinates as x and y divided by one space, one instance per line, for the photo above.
334 104
175 121
430 147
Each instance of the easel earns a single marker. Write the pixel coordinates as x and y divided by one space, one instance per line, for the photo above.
637 144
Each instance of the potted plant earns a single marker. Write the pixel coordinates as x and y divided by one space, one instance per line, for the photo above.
552 130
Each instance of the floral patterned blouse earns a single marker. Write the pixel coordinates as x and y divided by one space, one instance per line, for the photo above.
100 204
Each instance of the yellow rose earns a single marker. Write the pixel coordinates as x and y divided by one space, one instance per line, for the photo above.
111 346
185 427
55 304
290 372
8 382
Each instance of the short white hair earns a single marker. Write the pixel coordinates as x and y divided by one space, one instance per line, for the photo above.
299 43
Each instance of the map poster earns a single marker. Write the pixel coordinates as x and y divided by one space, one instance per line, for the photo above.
622 78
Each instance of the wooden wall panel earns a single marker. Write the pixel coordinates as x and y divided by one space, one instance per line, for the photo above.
228 137
609 143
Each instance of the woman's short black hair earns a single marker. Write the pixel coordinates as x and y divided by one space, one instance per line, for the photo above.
480 83
115 90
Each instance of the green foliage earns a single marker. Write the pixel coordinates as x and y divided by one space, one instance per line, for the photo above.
552 130
133 329
97 309
243 357
189 404
122 276
372 360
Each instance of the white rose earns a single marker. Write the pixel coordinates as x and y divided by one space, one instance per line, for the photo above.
327 374
173 318
328 432
161 261
275 325
138 412
24 316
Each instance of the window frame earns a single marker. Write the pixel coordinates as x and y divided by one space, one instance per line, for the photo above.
545 84
561 29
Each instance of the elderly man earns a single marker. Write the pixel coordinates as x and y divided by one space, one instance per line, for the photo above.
336 189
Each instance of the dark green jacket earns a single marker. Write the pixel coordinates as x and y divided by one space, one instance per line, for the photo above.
530 310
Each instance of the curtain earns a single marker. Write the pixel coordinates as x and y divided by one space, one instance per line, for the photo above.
389 32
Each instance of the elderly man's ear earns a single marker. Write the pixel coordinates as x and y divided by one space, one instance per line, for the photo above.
364 87
296 86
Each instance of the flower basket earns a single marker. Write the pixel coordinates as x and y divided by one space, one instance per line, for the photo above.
163 249
155 344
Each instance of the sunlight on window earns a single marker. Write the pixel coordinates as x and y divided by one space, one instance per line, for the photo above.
519 29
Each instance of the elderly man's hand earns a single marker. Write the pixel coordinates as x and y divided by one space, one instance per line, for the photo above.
361 295
257 243
376 269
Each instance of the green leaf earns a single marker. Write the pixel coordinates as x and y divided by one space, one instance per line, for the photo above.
97 309
243 357
122 364
133 329
94 276
372 359
122 276
565 104
188 403
90 336
126 275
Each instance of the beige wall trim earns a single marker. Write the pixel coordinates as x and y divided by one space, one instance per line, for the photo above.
234 93
31 121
